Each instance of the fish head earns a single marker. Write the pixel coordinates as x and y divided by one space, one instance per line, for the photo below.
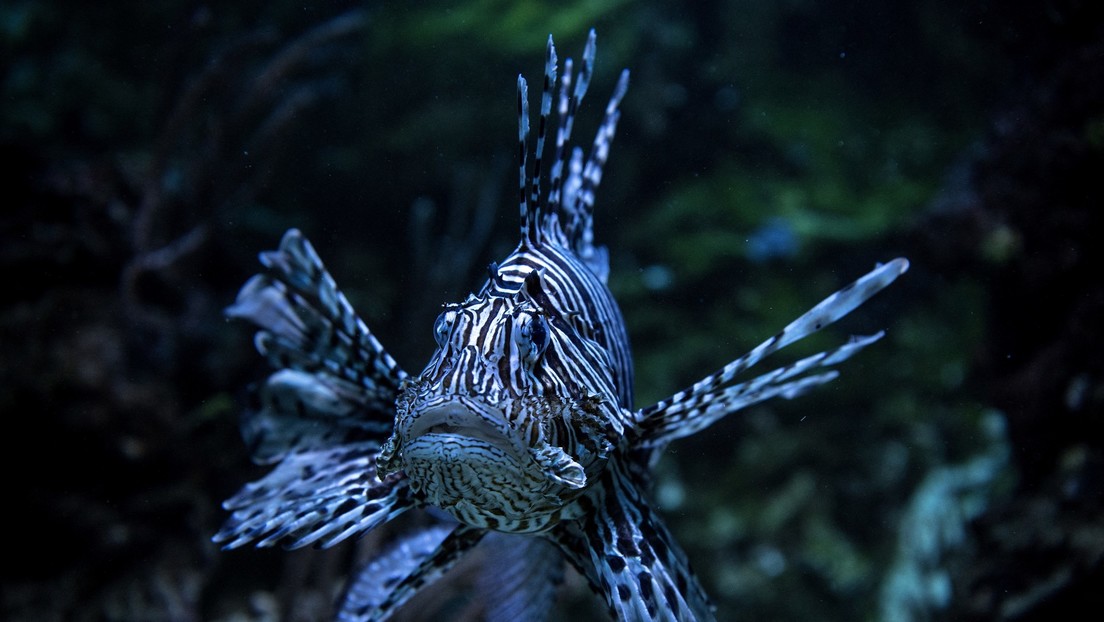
514 416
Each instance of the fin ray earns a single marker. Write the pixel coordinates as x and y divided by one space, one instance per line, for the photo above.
630 559
518 577
334 379
410 566
714 396
318 496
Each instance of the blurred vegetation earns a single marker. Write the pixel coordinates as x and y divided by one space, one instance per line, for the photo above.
768 153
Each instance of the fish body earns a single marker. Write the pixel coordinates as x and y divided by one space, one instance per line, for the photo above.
521 426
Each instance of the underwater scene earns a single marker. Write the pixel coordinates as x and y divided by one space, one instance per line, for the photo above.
893 205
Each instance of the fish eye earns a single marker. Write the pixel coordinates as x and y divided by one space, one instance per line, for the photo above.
442 327
538 333
531 335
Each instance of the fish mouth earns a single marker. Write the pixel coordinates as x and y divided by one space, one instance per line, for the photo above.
466 456
458 417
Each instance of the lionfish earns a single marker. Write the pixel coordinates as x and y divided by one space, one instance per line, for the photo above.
520 430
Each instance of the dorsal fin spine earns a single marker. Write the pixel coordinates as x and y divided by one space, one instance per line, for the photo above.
528 232
566 111
546 108
599 153
562 135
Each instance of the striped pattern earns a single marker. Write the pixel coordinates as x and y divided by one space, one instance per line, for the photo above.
521 425
538 419
713 397
626 553
315 497
428 558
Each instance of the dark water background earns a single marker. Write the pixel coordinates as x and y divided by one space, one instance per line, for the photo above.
767 154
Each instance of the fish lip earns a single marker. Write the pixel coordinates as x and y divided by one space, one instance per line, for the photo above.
464 417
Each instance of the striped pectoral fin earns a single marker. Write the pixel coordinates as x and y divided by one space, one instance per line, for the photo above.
418 560
308 326
298 411
318 497
677 418
715 396
631 560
